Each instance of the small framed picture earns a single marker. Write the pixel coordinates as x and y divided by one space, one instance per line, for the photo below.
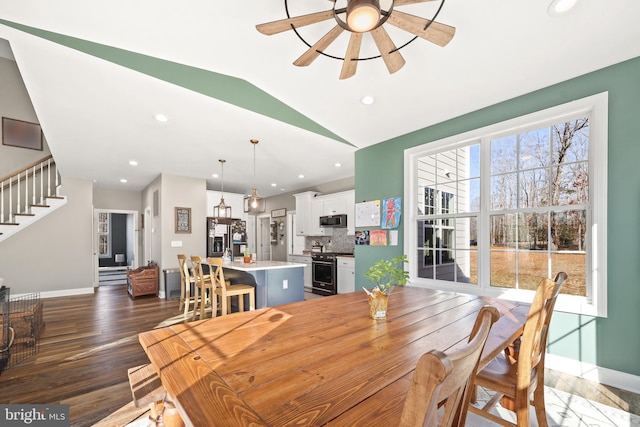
277 213
17 133
183 220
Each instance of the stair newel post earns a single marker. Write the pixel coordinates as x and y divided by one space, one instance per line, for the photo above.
57 181
18 201
1 201
33 185
10 199
41 184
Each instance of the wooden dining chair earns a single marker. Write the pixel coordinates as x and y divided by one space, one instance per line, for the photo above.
442 380
519 371
186 299
204 287
226 290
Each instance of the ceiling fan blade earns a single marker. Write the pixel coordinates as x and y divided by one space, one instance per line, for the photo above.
437 33
392 57
353 50
310 55
276 27
406 2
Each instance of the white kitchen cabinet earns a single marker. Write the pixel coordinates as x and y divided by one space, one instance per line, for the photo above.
334 204
317 210
304 215
304 259
350 198
346 275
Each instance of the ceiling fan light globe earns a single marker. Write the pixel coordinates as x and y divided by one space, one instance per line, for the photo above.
363 15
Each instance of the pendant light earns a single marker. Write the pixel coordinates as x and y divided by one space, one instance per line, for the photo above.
254 204
222 210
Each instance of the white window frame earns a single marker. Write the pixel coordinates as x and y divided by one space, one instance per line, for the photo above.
595 303
106 233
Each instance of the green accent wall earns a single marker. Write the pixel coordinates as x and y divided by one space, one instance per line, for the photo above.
220 86
610 342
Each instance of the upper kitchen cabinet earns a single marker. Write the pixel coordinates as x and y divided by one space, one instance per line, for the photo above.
304 223
310 206
318 210
341 203
351 212
334 204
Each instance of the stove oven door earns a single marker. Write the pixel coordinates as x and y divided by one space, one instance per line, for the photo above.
324 278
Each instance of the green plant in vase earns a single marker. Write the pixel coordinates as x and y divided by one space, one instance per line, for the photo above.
247 255
385 274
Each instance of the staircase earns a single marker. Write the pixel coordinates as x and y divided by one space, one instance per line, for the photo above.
28 195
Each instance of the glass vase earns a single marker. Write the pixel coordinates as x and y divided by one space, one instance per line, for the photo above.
378 302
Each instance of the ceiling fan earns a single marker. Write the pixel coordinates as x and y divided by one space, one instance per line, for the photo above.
360 17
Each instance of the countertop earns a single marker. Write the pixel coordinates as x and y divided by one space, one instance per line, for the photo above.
261 265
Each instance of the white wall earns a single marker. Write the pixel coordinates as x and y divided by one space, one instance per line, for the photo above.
176 191
53 256
16 104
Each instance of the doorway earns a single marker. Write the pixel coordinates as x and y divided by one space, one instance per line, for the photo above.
116 245
264 237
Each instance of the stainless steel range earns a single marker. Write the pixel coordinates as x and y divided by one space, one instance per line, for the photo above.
324 277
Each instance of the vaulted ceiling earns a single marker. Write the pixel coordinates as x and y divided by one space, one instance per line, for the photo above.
98 73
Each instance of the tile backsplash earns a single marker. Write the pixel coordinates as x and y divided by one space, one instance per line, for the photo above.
338 242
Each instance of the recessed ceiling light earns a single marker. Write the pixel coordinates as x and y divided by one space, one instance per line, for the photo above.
559 7
133 163
367 100
300 176
337 164
161 117
215 175
273 184
123 181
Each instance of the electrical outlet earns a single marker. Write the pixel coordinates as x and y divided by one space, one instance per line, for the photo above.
285 284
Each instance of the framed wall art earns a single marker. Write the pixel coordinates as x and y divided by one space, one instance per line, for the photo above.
277 213
16 133
183 220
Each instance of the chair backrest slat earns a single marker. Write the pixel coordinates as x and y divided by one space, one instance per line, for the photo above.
444 378
217 273
534 338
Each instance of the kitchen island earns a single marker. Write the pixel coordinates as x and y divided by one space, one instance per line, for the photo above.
276 282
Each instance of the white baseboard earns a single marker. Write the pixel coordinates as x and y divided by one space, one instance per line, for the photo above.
591 372
60 293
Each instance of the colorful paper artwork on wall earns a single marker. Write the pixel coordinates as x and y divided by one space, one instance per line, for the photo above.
378 238
391 212
362 237
368 214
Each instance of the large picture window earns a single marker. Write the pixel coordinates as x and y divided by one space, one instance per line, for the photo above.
494 210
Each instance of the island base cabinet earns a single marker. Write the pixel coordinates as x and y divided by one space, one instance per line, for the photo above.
278 286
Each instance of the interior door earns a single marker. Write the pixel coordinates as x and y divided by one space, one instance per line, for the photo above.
264 233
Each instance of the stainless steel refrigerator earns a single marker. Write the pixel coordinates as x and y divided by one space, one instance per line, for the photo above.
226 233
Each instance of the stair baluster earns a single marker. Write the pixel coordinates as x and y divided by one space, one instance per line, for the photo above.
20 194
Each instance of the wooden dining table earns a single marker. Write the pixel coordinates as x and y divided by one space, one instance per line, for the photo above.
317 362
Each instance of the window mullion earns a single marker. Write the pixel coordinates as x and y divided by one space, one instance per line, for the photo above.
484 219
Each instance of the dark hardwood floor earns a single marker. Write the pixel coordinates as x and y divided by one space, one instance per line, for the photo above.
86 346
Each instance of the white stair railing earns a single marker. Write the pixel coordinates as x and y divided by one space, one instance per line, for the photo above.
27 187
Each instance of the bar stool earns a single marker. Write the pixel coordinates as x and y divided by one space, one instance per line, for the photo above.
186 299
204 286
226 290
